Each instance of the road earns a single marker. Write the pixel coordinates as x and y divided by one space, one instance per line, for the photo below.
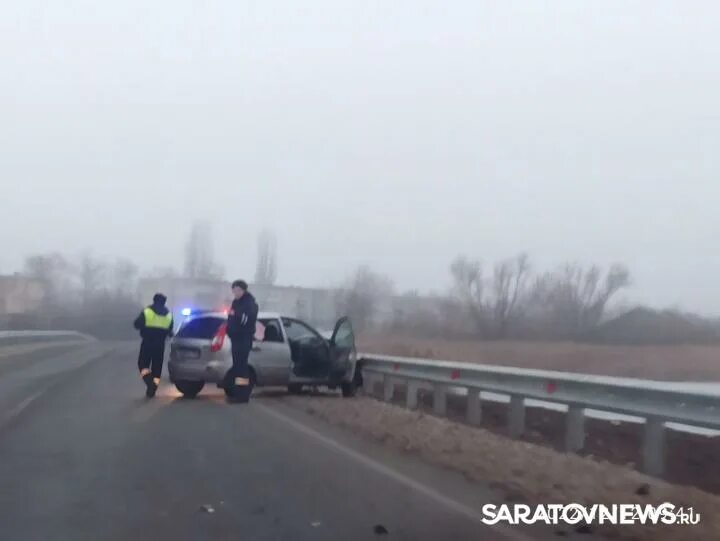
83 455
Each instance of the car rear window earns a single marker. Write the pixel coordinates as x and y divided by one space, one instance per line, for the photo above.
202 327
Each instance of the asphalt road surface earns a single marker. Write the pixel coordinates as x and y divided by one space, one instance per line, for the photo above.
84 455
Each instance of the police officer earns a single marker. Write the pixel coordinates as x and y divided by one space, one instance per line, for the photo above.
242 318
155 324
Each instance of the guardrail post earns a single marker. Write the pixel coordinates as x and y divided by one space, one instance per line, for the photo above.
517 416
411 397
474 411
388 387
369 384
575 429
654 447
440 399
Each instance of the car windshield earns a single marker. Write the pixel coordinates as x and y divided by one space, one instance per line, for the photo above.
297 330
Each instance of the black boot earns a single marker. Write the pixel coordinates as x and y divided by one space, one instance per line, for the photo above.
242 394
228 386
150 384
239 395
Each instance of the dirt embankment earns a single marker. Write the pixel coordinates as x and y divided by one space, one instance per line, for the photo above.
676 363
691 459
524 472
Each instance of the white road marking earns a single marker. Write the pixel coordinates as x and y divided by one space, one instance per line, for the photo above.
66 362
17 410
396 476
20 349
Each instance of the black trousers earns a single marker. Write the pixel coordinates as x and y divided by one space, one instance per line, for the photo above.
152 355
240 353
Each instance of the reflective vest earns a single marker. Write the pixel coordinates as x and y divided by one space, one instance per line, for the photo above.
156 321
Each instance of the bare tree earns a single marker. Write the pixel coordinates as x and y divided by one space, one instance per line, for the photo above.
162 272
199 253
124 275
576 297
361 296
508 286
52 271
491 309
92 277
266 269
468 287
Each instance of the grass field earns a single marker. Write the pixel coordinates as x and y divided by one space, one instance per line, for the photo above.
672 363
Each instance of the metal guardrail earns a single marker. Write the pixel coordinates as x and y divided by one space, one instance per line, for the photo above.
655 403
24 337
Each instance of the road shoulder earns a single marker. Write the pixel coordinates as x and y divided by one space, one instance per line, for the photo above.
448 487
521 472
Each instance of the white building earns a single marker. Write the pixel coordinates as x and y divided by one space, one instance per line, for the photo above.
20 295
316 306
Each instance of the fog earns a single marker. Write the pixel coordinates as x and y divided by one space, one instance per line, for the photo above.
393 134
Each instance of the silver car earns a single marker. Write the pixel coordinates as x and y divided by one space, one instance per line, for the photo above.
286 352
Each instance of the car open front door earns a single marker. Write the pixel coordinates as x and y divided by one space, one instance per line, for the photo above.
310 352
342 350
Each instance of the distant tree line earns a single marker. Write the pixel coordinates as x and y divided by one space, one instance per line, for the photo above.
513 301
86 293
99 296
78 283
509 300
505 300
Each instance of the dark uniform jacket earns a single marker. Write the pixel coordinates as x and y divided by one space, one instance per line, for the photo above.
242 319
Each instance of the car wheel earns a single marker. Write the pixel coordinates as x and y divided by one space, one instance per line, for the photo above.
189 389
295 388
349 388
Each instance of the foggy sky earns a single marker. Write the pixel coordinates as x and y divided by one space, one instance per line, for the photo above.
397 134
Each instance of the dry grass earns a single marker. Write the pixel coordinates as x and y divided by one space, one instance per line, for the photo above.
676 363
522 471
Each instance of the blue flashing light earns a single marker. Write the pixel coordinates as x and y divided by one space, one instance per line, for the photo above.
186 311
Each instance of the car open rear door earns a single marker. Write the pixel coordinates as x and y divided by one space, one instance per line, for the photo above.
342 350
